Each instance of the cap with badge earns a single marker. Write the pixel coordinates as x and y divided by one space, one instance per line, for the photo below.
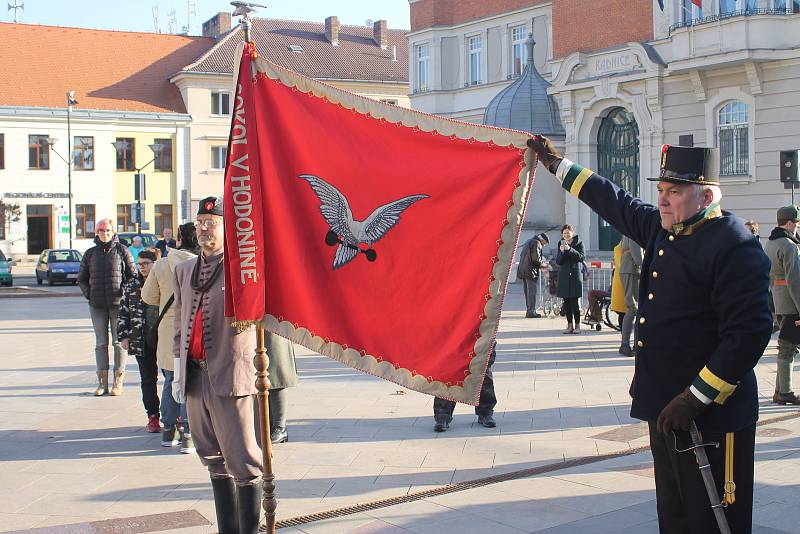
789 213
688 165
543 238
210 206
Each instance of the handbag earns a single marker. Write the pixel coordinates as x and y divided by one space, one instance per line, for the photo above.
789 331
151 337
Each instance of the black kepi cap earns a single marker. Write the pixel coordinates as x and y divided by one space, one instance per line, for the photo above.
688 165
210 206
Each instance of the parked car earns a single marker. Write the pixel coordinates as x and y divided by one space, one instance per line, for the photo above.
148 240
58 265
5 270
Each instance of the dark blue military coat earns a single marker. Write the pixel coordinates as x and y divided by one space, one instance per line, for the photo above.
703 318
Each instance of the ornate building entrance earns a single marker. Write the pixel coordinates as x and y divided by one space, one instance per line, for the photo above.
618 160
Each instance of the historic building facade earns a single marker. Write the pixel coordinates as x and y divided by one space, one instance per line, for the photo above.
49 148
627 78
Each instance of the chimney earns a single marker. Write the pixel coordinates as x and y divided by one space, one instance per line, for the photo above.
380 34
217 25
332 30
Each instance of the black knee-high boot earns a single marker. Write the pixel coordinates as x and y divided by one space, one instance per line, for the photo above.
277 415
249 498
225 505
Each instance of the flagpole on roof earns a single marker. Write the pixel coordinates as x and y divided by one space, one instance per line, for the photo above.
261 359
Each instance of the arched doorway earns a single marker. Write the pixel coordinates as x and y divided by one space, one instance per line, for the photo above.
618 160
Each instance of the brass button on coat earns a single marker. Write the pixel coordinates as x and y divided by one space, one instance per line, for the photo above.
672 238
655 274
641 320
661 252
640 343
649 296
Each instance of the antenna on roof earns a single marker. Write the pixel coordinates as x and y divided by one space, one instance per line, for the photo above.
155 19
172 22
17 7
191 6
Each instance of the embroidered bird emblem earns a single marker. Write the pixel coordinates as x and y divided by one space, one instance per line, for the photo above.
347 233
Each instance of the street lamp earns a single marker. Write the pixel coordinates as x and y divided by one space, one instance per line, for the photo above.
52 141
138 177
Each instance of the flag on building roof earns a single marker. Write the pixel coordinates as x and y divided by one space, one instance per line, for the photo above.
376 235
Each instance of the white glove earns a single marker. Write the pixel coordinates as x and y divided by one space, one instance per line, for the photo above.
177 394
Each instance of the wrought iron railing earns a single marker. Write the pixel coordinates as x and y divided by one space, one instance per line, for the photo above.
728 15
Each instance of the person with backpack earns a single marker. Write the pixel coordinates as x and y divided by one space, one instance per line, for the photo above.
158 291
530 261
136 320
104 269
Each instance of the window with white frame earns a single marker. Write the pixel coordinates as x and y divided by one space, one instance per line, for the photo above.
474 59
790 6
733 136
690 12
219 156
733 7
519 50
220 103
422 67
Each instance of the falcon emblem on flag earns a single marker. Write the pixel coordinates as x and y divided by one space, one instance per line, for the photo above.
348 233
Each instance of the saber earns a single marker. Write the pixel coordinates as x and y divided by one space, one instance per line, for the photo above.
708 479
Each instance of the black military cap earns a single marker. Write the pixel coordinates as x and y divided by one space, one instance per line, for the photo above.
210 206
688 165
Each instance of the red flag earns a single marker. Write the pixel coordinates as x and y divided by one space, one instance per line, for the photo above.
389 234
244 238
698 3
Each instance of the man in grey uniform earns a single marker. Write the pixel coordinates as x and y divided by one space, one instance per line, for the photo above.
214 371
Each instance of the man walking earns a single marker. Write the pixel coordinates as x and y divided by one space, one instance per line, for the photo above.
630 268
703 324
215 372
782 250
104 268
530 261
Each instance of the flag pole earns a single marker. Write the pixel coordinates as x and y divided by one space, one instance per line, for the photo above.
261 361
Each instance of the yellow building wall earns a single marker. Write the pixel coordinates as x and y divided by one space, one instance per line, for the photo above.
160 187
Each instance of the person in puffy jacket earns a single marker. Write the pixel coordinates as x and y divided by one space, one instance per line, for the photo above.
570 278
104 268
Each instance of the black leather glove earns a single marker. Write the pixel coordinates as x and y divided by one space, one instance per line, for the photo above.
680 412
546 152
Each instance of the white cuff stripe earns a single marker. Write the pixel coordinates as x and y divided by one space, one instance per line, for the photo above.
563 167
696 392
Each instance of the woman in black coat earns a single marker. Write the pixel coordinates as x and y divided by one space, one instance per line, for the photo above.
570 278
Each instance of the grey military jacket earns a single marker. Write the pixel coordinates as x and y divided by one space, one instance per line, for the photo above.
784 273
631 260
229 353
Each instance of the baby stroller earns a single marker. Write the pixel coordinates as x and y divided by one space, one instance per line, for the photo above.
551 305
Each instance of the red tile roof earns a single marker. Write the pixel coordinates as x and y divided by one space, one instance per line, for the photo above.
356 58
109 70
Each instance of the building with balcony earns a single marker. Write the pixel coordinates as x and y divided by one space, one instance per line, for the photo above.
369 61
627 78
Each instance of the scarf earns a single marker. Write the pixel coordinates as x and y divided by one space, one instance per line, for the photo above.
779 232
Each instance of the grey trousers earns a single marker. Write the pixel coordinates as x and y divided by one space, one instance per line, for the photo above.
786 354
223 431
102 320
531 288
630 284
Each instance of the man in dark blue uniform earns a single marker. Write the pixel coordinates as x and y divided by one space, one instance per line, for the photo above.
703 323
